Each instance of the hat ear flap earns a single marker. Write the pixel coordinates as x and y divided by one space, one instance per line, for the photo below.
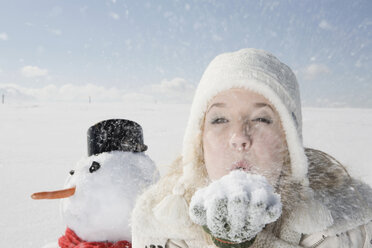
174 209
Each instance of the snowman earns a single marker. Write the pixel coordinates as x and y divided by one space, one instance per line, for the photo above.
100 193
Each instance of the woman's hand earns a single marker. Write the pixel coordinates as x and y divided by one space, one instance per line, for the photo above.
236 207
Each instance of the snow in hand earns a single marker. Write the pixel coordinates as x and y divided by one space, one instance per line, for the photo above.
236 207
106 187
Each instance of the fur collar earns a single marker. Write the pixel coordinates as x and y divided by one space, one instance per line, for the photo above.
333 203
348 200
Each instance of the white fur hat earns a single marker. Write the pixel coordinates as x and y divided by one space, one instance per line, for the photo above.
261 72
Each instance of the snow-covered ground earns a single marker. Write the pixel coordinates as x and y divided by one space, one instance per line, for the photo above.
40 143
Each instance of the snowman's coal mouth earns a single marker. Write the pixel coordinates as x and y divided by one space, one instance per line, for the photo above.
58 194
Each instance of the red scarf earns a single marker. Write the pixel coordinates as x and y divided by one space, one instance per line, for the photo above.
71 240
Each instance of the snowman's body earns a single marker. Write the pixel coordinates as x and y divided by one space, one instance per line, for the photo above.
106 186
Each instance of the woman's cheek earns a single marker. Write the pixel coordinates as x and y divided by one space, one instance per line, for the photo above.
214 137
272 134
269 142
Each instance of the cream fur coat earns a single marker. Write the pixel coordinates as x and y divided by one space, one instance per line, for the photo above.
335 211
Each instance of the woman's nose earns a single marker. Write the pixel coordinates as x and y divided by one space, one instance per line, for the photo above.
240 140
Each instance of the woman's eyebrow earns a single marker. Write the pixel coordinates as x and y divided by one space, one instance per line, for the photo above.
262 104
217 104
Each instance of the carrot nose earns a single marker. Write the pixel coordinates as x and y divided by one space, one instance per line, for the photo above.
58 194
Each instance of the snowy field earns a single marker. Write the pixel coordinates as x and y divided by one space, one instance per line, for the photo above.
40 143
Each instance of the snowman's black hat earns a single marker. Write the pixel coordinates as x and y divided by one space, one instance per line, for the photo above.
115 135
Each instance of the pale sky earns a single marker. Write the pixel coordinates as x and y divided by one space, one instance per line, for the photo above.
114 46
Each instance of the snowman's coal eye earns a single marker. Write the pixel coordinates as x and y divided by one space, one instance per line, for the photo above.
72 172
95 166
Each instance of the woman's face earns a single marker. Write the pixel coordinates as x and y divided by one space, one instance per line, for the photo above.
243 131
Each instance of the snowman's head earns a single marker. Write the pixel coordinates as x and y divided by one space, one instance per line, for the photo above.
100 192
106 186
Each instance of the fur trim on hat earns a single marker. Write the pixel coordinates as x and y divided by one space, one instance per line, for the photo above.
260 72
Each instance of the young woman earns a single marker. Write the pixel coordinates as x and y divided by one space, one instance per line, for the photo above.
246 115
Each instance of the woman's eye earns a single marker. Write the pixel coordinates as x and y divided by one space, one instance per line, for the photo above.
263 120
94 167
219 120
